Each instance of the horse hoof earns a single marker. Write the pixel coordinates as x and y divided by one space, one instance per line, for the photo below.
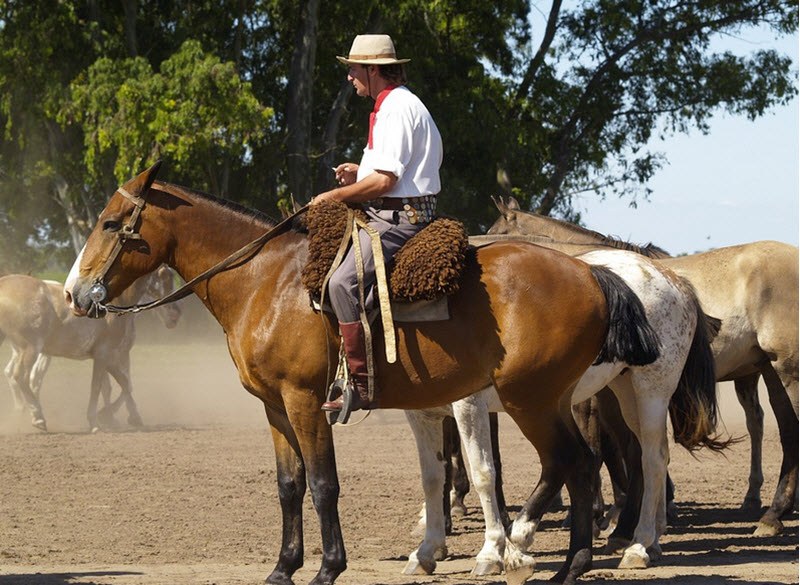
94 430
458 510
40 424
655 552
615 544
135 421
519 565
767 529
483 568
635 557
751 505
440 553
417 567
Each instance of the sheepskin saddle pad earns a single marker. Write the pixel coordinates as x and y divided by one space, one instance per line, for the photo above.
427 267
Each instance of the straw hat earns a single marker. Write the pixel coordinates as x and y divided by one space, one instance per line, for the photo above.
372 50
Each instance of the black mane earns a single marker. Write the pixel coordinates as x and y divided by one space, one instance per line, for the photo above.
226 203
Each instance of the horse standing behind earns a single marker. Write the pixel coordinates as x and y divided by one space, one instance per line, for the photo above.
646 394
280 346
753 289
39 325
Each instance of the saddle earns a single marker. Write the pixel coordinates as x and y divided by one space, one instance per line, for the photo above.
423 273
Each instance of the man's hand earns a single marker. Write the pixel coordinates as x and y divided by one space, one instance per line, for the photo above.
346 173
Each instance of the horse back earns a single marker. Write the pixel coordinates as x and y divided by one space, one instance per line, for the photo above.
522 312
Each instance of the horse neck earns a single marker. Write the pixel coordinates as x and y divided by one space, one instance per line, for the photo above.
205 232
558 230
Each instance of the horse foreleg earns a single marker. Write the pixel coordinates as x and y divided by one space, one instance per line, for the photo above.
315 438
291 490
783 400
427 429
747 393
472 417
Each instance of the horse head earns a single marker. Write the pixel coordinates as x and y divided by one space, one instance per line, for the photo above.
122 247
507 222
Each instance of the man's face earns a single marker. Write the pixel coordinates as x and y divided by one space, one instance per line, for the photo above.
358 75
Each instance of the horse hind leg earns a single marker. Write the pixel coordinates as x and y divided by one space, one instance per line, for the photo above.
783 400
457 482
21 374
16 390
747 393
428 433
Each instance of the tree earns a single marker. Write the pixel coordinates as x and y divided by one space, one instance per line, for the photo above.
196 114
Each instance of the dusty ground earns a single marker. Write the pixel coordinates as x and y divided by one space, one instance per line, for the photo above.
192 499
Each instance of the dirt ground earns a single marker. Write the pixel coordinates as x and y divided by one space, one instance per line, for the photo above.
192 498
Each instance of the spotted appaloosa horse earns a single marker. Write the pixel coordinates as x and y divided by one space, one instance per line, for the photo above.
680 381
753 289
532 342
40 325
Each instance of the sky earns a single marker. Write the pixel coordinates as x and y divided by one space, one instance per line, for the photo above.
737 184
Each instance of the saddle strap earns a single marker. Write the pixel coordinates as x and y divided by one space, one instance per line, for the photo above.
390 341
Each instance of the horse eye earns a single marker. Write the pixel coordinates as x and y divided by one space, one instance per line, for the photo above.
111 225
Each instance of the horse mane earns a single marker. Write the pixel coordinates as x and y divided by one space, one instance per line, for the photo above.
249 212
649 250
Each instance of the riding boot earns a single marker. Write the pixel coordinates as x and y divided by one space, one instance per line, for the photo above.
355 350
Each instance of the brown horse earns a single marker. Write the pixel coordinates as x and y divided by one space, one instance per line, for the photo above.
527 319
753 289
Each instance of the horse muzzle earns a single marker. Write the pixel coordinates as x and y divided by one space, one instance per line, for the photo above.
89 303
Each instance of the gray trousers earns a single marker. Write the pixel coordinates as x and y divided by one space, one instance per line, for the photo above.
395 230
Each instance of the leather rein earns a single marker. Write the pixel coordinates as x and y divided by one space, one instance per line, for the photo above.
99 292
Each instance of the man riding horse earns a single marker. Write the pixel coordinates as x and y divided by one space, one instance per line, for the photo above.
397 180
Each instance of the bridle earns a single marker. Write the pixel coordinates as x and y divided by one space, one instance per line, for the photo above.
98 292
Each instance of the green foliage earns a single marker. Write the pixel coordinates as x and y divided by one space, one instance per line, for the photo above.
193 114
89 97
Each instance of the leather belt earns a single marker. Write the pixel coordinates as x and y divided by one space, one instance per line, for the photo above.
420 209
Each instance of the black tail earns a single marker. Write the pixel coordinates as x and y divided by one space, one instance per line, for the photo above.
631 338
693 408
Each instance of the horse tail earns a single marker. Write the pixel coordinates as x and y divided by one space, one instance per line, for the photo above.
631 338
693 408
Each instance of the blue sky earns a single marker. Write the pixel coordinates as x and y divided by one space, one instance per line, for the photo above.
736 184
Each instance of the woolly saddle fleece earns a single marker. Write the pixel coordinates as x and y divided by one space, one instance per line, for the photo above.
427 267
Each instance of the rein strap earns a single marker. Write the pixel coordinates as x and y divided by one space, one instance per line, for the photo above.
188 288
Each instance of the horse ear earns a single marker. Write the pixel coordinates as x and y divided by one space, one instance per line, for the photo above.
500 204
143 180
513 203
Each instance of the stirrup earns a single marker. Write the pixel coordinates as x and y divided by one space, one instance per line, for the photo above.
345 388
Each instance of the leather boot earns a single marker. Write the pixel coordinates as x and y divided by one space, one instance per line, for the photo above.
355 350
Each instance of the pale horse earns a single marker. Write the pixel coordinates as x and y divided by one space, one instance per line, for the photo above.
646 394
39 324
753 289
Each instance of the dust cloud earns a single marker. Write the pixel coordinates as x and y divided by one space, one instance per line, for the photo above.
182 377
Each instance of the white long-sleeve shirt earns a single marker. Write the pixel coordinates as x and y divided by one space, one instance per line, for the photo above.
406 143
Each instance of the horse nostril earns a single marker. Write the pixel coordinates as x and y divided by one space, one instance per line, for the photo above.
68 297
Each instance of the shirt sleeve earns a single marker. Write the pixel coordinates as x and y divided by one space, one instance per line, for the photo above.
391 142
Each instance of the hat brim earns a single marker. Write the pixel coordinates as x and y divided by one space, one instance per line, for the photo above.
386 61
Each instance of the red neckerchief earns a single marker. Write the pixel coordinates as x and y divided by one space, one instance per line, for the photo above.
378 102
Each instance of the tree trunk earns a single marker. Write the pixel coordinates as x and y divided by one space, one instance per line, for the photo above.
301 101
324 175
130 8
